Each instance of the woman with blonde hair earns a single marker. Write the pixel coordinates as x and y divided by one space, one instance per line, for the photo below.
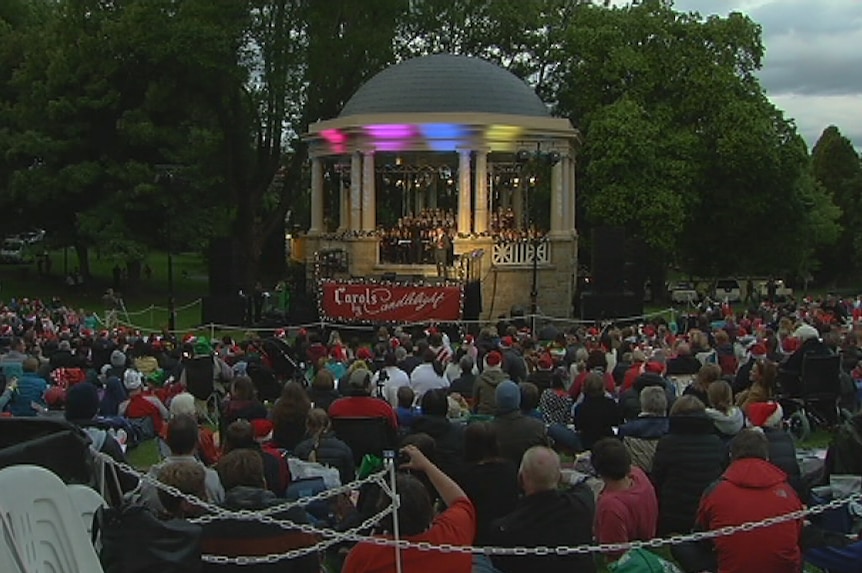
323 447
707 374
727 418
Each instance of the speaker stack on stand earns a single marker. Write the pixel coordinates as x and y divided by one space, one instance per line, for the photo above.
224 305
617 284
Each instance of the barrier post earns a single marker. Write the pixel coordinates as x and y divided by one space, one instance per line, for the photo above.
389 458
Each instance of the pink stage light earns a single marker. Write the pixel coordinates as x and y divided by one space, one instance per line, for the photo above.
390 131
335 138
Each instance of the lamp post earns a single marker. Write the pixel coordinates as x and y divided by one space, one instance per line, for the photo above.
165 177
523 157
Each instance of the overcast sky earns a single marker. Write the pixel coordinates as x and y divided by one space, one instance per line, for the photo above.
813 64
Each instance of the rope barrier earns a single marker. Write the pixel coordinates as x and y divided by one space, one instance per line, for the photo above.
212 326
332 537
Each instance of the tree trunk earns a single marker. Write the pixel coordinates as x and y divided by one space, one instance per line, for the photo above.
133 271
83 253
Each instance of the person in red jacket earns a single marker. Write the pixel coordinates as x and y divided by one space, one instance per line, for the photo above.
750 490
359 403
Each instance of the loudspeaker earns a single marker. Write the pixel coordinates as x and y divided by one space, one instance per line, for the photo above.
609 257
229 310
224 267
601 306
472 300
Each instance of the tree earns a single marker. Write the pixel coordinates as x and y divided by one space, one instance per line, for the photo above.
838 168
682 146
107 91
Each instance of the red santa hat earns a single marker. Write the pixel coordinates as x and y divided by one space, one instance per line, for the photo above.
468 339
765 414
262 429
545 362
493 358
790 344
506 342
364 353
758 349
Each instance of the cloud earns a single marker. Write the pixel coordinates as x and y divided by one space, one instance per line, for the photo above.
814 113
812 68
813 65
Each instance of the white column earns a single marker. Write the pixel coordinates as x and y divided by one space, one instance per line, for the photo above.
557 199
572 213
465 217
316 197
355 222
480 188
517 202
369 193
566 194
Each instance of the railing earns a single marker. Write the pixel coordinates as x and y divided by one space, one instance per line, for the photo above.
519 253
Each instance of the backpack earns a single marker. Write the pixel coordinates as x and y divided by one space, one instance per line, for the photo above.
134 540
642 561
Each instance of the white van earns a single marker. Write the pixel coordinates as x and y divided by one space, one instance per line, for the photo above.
15 250
727 290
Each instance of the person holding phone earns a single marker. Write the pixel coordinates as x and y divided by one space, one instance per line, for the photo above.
455 525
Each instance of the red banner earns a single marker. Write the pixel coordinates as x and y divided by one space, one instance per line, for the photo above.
371 302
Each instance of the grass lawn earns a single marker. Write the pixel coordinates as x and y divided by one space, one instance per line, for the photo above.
146 301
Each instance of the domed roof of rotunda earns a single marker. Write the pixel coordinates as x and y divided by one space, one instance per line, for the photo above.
446 83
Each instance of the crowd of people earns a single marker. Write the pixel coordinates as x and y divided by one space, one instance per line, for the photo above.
510 438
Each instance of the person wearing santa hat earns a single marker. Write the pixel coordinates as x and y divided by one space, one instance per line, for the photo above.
769 416
486 385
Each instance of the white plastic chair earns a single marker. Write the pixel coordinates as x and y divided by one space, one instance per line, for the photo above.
11 556
87 501
45 525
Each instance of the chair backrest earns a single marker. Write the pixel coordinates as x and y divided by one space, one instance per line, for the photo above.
45 523
642 451
365 436
87 501
200 373
11 554
821 376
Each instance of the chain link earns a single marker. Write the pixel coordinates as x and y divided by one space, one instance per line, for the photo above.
333 537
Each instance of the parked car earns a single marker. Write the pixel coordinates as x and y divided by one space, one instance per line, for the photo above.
33 236
15 250
727 290
682 292
782 291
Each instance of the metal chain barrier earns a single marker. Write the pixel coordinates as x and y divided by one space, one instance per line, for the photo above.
247 515
334 537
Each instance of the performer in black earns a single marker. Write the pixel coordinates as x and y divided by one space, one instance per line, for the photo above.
441 252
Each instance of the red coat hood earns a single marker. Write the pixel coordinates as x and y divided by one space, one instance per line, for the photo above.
754 473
